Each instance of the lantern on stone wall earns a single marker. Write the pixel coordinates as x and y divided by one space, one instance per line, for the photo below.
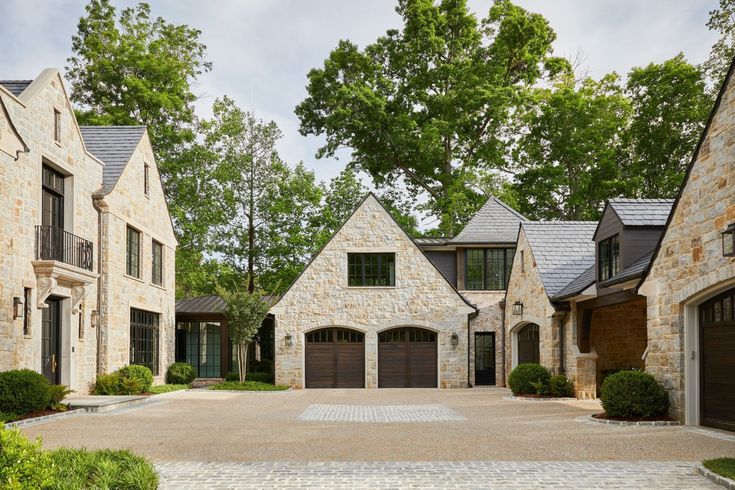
518 308
288 340
728 241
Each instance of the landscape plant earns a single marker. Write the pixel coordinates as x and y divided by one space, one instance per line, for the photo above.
23 463
128 380
180 373
23 391
137 374
561 386
521 380
722 466
633 394
247 386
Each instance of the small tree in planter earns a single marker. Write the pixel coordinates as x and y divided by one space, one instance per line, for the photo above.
245 313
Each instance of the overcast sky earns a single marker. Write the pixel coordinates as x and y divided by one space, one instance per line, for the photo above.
262 49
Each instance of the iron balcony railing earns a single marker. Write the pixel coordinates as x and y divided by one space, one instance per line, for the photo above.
54 243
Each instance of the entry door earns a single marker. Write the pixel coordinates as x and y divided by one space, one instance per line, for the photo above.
528 344
50 341
484 358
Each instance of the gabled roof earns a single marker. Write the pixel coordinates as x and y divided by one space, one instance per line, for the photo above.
211 303
16 87
578 284
114 145
432 241
634 270
642 212
495 222
562 250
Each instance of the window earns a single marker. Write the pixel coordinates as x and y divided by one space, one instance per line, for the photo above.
488 268
146 178
27 311
203 347
144 339
157 265
609 258
82 310
57 126
133 253
371 269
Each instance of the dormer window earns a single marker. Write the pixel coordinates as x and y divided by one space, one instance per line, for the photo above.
378 269
608 257
488 268
57 126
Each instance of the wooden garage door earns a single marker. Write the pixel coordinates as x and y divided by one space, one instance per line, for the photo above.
717 347
407 358
335 358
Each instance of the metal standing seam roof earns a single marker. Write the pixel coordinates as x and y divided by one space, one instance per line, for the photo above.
16 87
495 222
562 250
642 212
211 303
432 241
114 145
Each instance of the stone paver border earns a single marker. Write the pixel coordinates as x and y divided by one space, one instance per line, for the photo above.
625 423
207 390
715 478
514 398
45 418
379 413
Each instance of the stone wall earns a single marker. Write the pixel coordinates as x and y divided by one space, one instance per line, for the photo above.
689 266
488 319
421 297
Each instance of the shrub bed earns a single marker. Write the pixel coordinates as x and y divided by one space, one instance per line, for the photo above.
254 376
23 391
180 373
128 380
247 386
525 379
167 388
633 395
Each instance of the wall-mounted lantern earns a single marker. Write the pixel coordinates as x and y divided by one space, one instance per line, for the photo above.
455 339
728 241
288 340
17 307
95 318
518 308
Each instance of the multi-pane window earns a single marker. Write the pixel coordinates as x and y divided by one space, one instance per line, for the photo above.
487 268
144 339
609 258
371 269
157 263
132 262
57 126
146 178
27 311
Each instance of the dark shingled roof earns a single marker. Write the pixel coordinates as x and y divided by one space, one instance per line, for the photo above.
114 145
16 87
578 284
432 241
642 212
211 303
634 270
562 250
495 222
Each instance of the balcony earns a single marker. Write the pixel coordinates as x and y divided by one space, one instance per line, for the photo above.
58 244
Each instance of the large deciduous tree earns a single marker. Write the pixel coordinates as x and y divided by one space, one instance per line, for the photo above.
721 20
431 102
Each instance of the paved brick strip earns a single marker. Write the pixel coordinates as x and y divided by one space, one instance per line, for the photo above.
379 413
480 474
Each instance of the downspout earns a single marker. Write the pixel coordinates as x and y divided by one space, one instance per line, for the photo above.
99 204
502 340
469 354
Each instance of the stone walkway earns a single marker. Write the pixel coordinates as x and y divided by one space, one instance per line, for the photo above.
482 474
379 413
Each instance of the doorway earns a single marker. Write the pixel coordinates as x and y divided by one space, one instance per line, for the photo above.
484 358
51 341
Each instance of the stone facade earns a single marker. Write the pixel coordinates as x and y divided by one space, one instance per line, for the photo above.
421 297
27 122
689 266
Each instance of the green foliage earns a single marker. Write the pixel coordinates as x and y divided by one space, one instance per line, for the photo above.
540 388
167 388
721 20
254 376
107 384
128 380
24 464
560 386
7 417
722 466
633 394
23 391
57 393
138 374
106 468
247 386
180 373
522 378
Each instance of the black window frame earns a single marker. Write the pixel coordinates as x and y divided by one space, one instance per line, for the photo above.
27 298
132 256
608 258
144 339
57 125
146 179
368 269
156 263
507 261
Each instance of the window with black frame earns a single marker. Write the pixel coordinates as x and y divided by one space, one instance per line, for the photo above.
488 268
157 263
132 259
144 339
371 269
609 258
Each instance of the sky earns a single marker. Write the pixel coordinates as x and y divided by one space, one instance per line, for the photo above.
263 49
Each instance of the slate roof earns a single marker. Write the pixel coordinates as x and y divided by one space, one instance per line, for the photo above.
432 241
562 250
16 87
642 212
114 145
211 303
495 222
578 284
634 270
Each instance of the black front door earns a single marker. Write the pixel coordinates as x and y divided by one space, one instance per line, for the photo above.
50 341
52 215
484 358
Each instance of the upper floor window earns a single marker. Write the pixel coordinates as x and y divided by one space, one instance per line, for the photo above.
157 263
487 268
57 126
609 258
146 179
132 262
371 269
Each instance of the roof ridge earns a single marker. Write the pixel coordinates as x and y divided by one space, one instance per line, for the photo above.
116 126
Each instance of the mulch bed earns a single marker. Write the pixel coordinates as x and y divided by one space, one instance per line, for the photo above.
39 413
663 418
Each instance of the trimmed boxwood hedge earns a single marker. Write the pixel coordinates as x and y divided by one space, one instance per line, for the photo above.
523 375
180 373
23 391
633 394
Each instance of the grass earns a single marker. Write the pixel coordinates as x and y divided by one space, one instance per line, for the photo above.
722 466
247 386
106 468
167 388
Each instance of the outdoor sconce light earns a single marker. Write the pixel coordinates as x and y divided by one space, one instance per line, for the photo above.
518 308
455 340
288 340
728 241
17 307
95 318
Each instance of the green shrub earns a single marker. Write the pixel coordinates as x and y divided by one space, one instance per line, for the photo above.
107 384
7 417
180 373
167 388
141 374
559 385
254 376
232 376
106 468
521 378
247 386
23 464
23 391
57 393
631 394
263 366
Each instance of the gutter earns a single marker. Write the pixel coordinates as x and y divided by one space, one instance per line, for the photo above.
470 316
561 314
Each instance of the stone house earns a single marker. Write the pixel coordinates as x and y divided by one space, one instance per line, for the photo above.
87 270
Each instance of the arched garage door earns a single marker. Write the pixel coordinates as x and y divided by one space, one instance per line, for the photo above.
717 361
335 358
528 344
407 358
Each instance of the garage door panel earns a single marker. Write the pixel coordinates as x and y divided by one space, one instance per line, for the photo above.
422 365
391 365
319 366
407 359
335 358
350 365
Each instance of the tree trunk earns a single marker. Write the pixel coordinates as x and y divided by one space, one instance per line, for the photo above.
242 360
